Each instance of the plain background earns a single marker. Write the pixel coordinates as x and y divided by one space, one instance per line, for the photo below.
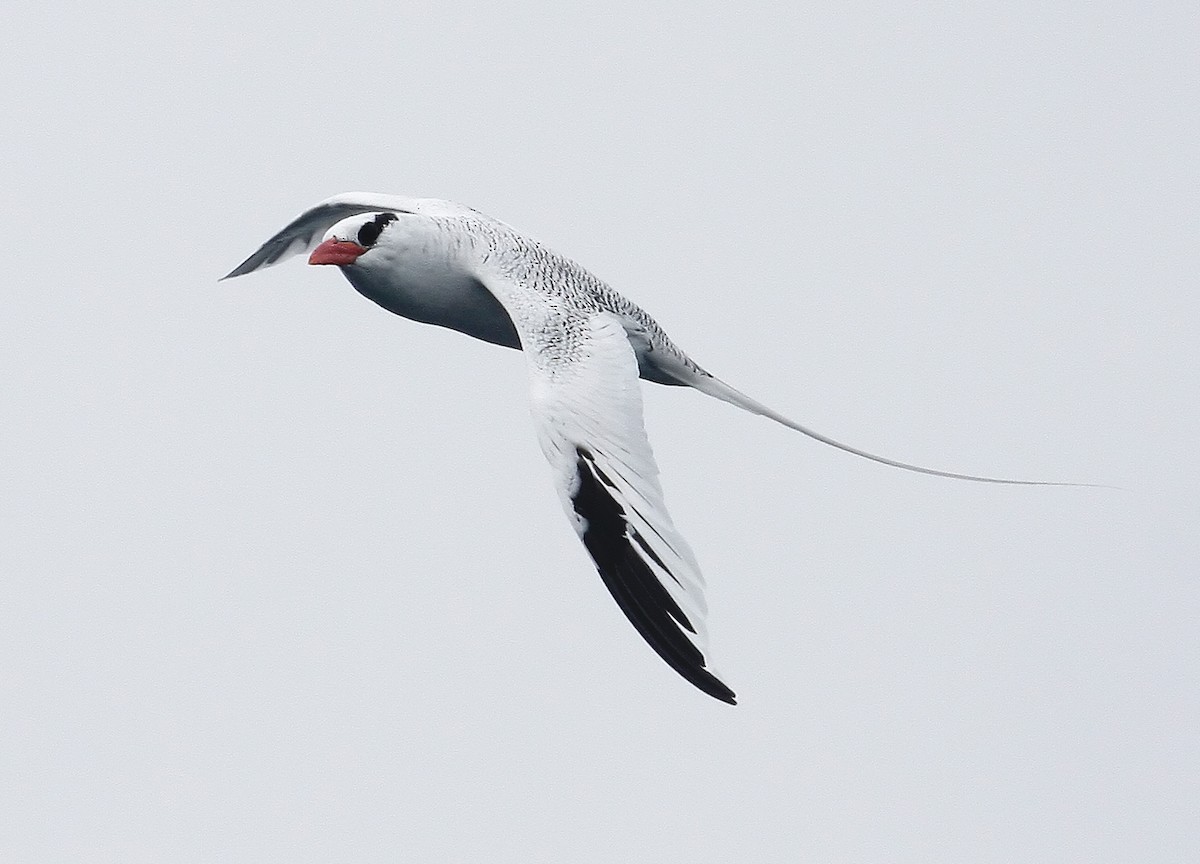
284 578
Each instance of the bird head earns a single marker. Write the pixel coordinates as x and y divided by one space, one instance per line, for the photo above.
351 238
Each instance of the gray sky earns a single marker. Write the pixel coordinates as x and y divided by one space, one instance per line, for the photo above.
285 577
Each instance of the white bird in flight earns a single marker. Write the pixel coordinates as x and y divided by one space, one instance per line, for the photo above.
585 347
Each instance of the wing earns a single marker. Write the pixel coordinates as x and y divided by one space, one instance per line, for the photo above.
587 407
305 231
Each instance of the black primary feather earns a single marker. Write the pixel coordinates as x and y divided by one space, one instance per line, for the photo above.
608 537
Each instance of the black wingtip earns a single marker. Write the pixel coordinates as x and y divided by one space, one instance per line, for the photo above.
646 603
239 270
248 266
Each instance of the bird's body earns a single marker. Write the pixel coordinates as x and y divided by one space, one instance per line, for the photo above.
586 346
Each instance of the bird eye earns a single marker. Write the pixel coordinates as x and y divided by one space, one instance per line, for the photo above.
369 233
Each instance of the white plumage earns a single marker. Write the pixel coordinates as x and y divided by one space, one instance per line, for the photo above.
586 346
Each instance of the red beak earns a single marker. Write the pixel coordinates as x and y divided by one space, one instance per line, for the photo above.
336 252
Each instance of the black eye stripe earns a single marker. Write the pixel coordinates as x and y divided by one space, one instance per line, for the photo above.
369 233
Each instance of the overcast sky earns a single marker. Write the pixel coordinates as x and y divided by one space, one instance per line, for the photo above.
284 576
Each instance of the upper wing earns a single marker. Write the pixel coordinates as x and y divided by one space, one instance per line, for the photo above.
587 406
305 231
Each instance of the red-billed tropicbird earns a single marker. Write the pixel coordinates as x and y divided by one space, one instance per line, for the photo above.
586 346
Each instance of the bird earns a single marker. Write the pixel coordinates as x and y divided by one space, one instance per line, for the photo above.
586 347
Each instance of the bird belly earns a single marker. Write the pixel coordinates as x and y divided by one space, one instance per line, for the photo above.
454 300
461 302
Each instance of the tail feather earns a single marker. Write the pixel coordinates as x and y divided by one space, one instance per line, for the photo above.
706 383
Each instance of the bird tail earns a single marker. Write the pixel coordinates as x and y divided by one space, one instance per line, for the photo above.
706 383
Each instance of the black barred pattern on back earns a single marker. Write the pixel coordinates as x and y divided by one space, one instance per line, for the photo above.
645 602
